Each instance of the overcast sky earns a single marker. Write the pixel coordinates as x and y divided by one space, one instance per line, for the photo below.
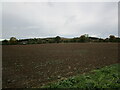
65 19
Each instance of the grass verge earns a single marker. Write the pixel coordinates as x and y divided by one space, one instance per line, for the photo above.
106 77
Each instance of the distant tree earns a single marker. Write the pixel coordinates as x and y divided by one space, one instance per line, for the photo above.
51 40
106 40
84 38
101 40
57 39
86 35
13 40
5 42
112 38
39 41
73 40
117 39
87 38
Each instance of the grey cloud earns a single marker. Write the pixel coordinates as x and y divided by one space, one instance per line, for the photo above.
20 28
24 20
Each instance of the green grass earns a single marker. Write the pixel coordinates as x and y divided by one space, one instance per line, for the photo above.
106 77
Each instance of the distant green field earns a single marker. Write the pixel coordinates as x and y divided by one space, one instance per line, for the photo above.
106 77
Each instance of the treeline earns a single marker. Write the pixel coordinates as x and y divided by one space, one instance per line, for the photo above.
82 39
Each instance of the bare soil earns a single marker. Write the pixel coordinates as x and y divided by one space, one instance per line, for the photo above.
35 65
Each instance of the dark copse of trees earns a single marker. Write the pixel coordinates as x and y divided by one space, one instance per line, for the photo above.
13 40
112 38
83 38
58 39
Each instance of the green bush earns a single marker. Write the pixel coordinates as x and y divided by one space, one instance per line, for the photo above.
106 77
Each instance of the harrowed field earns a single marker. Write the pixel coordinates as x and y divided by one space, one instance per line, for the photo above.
38 64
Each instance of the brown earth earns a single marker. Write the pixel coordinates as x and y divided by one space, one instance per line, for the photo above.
36 65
